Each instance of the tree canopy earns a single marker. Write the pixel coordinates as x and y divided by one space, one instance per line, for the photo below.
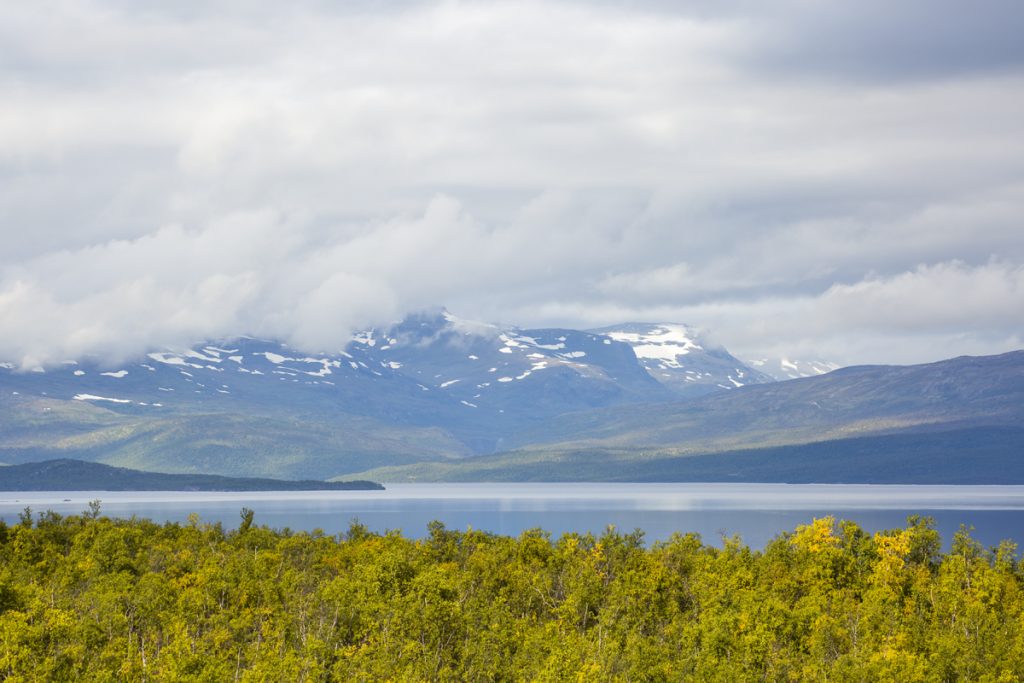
91 598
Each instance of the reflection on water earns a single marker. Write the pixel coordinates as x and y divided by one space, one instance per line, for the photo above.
756 512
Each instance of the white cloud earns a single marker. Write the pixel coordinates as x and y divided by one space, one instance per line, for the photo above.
175 172
926 313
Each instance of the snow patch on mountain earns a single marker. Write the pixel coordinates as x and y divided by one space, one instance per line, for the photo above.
680 357
171 359
364 338
92 397
663 343
782 368
470 327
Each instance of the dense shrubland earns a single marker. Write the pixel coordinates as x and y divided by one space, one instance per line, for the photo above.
91 598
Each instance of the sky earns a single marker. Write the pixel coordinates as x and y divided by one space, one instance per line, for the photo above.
803 178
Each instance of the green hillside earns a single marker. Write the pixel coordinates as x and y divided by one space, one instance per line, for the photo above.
980 455
229 444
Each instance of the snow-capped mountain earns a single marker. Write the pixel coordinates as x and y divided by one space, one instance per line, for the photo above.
679 357
434 389
430 368
432 385
782 369
507 368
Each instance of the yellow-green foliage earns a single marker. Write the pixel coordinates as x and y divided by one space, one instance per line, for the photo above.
90 598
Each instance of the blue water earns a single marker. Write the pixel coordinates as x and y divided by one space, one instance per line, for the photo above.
757 512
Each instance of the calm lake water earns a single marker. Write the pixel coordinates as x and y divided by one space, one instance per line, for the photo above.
757 512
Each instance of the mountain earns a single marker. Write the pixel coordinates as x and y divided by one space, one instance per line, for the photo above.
981 455
76 475
435 396
781 369
514 372
851 401
955 420
679 357
432 387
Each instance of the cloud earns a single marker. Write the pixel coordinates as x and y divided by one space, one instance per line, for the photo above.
170 173
945 297
926 313
882 41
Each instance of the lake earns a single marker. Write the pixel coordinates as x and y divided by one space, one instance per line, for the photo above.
757 512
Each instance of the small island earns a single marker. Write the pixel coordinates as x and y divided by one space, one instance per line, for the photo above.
79 475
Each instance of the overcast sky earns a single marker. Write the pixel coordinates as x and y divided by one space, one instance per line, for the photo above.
837 180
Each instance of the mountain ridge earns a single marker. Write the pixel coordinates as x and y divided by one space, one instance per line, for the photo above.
437 393
934 403
455 385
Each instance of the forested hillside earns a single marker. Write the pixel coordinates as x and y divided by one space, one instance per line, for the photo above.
90 598
76 475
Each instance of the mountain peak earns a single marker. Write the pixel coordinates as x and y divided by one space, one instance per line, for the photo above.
679 356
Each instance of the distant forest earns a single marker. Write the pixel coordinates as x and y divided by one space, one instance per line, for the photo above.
90 598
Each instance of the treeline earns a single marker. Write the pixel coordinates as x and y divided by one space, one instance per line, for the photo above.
91 598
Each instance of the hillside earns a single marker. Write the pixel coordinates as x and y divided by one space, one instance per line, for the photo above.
849 402
981 455
76 475
953 421
260 444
